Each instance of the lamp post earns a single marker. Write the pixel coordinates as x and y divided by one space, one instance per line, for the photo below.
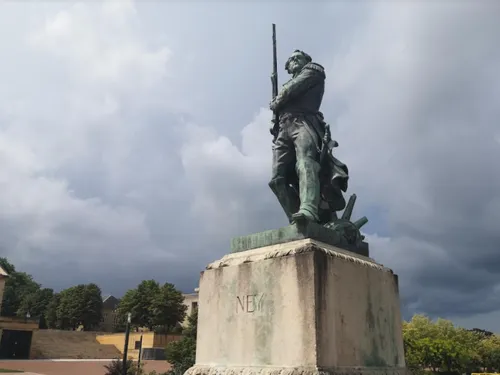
140 354
125 349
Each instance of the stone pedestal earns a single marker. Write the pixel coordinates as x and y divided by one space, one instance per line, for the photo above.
301 307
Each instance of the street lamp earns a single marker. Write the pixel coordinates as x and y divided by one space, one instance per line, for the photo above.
140 355
125 349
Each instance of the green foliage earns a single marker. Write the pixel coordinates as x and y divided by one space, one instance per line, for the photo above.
51 312
7 266
81 304
36 303
152 306
182 354
91 307
192 326
116 368
489 353
78 305
139 303
18 286
443 347
167 307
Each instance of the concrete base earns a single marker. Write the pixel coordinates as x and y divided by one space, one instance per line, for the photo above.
255 370
302 307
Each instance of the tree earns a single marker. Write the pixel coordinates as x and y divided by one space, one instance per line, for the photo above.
69 308
139 303
182 354
92 307
79 305
17 287
36 304
7 266
168 307
152 306
439 345
489 353
482 332
51 312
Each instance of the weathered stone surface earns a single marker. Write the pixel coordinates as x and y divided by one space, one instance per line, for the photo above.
302 307
208 370
292 233
287 249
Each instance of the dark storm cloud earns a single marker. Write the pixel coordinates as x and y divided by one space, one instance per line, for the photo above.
418 129
160 152
439 184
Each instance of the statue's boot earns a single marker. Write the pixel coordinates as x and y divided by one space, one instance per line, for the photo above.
309 190
286 196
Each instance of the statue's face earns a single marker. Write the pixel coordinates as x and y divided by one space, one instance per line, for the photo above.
296 62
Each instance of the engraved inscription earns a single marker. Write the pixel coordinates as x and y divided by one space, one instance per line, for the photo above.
241 303
249 303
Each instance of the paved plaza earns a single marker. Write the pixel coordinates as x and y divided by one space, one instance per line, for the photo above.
75 367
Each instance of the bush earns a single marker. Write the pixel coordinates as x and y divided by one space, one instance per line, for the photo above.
182 354
116 368
447 349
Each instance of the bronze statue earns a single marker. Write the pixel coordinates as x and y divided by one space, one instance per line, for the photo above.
306 178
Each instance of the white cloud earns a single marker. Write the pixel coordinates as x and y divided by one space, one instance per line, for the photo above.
96 157
97 60
227 180
416 123
102 46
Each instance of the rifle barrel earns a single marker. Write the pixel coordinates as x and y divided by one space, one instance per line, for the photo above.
275 64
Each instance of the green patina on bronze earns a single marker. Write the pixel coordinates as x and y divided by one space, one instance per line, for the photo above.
307 179
297 232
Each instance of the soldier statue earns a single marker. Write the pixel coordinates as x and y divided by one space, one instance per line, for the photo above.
306 178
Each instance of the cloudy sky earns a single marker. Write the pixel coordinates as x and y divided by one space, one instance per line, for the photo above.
134 138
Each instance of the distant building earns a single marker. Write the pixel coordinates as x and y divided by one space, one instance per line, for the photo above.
191 301
109 315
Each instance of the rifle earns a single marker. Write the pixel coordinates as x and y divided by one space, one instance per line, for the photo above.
274 82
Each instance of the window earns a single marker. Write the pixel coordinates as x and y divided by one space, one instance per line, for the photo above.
194 305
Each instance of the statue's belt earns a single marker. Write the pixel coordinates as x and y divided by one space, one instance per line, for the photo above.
290 114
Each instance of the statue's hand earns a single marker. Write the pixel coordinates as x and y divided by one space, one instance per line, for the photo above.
273 105
271 129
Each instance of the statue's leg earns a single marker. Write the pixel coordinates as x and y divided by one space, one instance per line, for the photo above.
307 168
283 157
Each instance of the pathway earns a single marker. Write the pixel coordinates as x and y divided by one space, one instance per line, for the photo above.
73 367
